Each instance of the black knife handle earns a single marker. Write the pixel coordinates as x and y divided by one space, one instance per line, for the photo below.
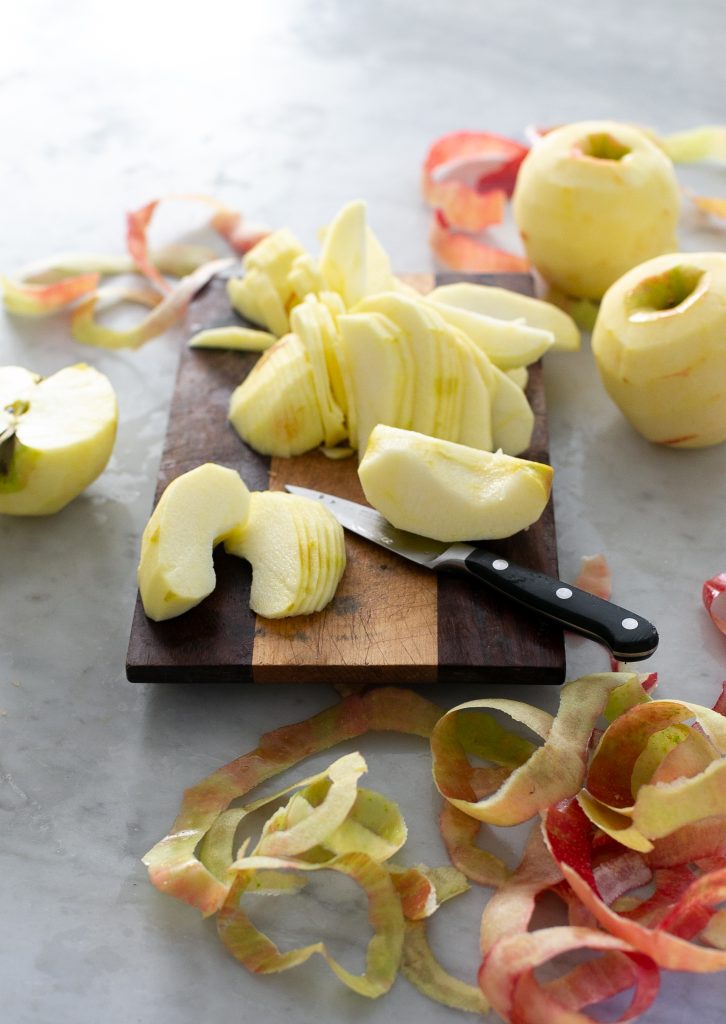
630 637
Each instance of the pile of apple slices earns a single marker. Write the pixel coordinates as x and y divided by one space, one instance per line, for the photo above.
357 347
294 545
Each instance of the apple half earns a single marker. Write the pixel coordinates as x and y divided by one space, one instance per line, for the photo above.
56 436
297 552
660 347
196 512
448 491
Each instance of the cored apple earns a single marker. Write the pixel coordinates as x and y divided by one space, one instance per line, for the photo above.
660 346
593 200
448 491
56 436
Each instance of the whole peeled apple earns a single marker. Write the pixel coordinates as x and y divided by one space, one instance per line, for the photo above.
660 346
592 200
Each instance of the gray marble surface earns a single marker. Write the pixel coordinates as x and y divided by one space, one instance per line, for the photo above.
286 110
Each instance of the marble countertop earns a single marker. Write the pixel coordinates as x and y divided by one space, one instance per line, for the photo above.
286 111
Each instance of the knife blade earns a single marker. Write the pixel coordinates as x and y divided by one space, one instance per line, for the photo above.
629 636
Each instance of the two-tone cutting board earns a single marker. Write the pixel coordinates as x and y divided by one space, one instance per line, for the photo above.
391 621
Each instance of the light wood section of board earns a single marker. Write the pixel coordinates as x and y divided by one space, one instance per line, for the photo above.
385 612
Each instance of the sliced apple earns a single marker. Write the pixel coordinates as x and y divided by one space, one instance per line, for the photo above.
502 304
380 365
475 415
507 343
520 376
343 260
196 512
304 277
426 332
275 408
448 491
512 416
244 339
255 298
305 320
56 436
275 257
296 550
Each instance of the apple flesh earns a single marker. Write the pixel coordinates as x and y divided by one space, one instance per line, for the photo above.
297 552
448 491
660 346
56 436
196 512
593 200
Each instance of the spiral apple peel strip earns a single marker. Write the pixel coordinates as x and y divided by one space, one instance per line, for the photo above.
568 854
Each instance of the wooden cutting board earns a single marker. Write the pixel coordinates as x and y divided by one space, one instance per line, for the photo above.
391 621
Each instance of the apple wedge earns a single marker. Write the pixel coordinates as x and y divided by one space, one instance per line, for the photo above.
305 320
512 415
381 373
196 512
502 304
448 491
508 343
56 436
275 408
297 552
343 260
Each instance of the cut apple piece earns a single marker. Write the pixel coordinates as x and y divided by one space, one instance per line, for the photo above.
474 424
379 276
244 339
275 257
294 546
275 408
448 491
508 343
426 333
380 366
305 320
512 416
502 304
304 277
56 436
343 261
255 298
196 512
327 307
520 376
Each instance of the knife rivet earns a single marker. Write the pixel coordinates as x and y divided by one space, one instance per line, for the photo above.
563 593
500 563
629 623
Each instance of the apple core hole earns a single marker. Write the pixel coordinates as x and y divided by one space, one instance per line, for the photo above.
602 146
18 408
664 292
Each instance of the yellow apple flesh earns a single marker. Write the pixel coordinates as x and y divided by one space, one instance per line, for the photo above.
448 491
592 200
56 436
660 346
297 552
196 512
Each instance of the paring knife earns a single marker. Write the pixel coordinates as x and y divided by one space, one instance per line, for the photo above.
630 637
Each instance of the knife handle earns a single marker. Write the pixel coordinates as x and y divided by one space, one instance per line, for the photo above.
629 636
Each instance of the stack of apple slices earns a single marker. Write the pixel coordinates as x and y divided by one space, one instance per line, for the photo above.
358 348
295 546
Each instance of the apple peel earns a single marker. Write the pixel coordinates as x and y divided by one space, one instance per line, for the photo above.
454 160
165 311
714 600
554 771
30 299
172 863
595 576
469 255
259 954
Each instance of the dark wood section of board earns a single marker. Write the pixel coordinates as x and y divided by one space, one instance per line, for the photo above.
480 637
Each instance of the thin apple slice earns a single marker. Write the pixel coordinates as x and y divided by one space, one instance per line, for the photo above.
379 276
507 305
196 512
244 339
343 261
255 297
512 416
520 376
275 256
275 408
304 277
270 542
448 491
56 436
507 343
423 328
305 322
450 387
374 351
